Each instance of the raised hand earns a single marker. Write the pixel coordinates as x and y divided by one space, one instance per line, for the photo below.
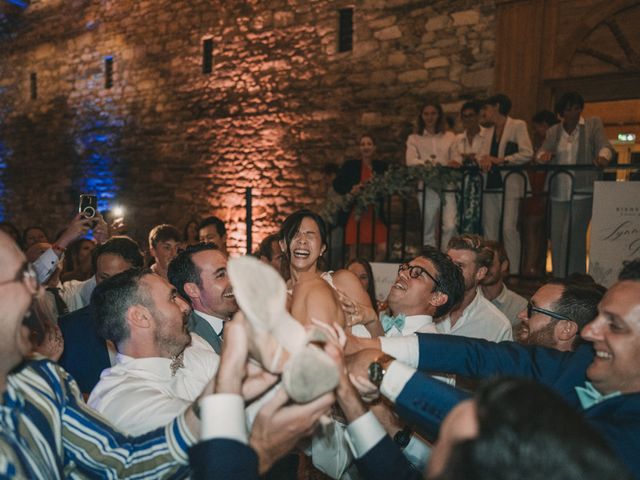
279 427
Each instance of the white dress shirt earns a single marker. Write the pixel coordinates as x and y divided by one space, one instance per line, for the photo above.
481 319
216 323
417 451
413 324
429 148
480 145
76 295
567 154
140 394
510 303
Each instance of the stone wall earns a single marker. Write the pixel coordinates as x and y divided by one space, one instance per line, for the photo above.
171 143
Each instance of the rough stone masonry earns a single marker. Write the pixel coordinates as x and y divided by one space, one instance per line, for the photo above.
170 142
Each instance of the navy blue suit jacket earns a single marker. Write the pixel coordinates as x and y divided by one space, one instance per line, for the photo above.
561 371
223 459
85 352
618 420
386 461
425 401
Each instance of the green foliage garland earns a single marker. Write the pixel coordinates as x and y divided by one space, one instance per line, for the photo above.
397 180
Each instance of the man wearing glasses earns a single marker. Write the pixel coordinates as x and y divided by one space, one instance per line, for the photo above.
600 378
46 430
556 314
426 287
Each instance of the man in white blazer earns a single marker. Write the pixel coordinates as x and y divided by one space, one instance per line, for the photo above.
509 144
574 141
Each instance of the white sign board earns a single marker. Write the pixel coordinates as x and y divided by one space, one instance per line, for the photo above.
384 275
615 229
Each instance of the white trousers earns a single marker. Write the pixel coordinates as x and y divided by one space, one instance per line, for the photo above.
491 212
430 206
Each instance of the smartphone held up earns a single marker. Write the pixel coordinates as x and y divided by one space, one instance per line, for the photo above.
88 207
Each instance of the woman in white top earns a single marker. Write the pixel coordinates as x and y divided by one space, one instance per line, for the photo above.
431 146
303 240
314 295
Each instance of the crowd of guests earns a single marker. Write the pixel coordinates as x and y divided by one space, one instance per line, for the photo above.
210 366
490 202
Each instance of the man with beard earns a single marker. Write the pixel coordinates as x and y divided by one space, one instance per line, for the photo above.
200 275
601 378
556 314
494 288
474 316
47 431
157 369
86 353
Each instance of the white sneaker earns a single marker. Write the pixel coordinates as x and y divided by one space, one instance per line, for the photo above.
262 296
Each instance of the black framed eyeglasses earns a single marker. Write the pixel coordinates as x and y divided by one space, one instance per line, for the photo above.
415 271
27 275
531 308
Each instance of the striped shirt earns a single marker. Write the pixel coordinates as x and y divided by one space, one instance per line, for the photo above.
48 432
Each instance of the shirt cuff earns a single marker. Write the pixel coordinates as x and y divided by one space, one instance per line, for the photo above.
363 434
395 379
222 416
605 152
417 452
404 349
45 264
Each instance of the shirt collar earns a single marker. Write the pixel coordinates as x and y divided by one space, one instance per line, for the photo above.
414 322
474 303
216 322
502 296
159 366
467 311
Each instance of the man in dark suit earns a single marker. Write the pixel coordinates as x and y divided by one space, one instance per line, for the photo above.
601 379
86 353
199 273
